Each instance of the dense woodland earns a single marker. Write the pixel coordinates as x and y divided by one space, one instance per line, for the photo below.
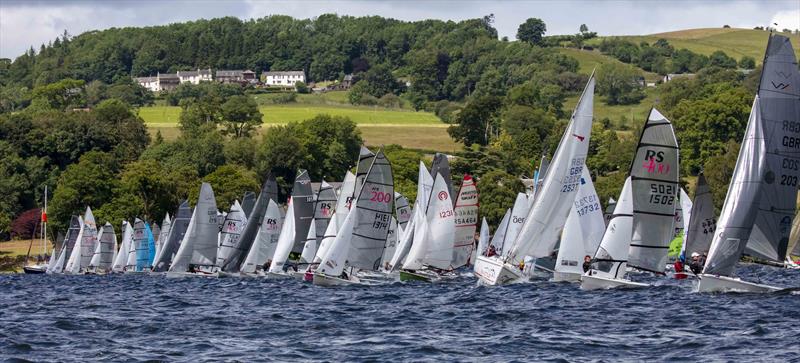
69 110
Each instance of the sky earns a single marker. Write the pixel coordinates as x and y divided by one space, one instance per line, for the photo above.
31 23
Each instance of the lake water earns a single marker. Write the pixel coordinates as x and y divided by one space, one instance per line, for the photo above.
140 318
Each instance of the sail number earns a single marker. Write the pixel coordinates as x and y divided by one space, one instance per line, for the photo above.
588 209
381 197
571 182
446 213
789 180
791 126
662 194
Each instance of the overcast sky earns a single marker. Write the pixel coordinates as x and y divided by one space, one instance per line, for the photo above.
31 23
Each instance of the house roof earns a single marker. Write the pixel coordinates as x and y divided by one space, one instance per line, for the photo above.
196 73
167 75
146 79
229 73
285 73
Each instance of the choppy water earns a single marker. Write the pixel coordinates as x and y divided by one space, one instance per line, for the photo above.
137 318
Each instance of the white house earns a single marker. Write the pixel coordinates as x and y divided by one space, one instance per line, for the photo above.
672 76
195 77
161 82
283 79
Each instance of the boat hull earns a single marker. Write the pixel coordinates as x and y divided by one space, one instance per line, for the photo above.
412 276
35 270
177 275
273 275
713 283
603 283
493 271
329 281
566 277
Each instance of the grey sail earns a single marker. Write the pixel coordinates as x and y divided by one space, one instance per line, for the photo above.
69 243
779 98
402 210
441 166
170 245
266 240
199 245
104 252
761 197
365 158
654 187
324 208
269 191
248 203
701 222
373 209
303 204
230 234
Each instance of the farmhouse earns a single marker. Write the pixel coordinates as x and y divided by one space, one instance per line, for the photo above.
672 76
235 76
161 82
283 79
195 77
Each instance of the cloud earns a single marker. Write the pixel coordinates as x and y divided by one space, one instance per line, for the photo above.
30 23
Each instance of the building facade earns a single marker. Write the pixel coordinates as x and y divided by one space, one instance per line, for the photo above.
161 82
195 77
283 79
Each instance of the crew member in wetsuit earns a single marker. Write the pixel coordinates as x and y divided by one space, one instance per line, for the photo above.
587 263
696 265
491 251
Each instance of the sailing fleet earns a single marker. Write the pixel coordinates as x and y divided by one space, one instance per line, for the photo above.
366 233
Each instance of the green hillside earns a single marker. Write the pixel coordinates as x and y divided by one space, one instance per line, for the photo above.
733 41
592 59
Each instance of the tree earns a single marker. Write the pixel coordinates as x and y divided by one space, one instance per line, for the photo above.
720 59
301 87
88 183
747 62
229 183
532 31
477 122
718 170
497 192
584 28
241 116
619 83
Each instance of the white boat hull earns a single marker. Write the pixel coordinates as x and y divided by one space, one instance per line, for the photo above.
566 277
603 283
273 275
713 283
325 280
493 271
178 275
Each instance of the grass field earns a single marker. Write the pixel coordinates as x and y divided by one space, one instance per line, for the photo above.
282 114
636 113
17 248
589 60
734 42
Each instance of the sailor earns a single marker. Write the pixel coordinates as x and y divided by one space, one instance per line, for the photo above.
521 265
678 265
696 265
491 251
587 263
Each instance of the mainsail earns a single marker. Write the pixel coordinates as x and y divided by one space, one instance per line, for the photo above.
611 257
514 225
145 245
235 222
324 209
267 238
402 210
177 230
255 219
433 241
82 254
303 204
345 198
441 166
546 218
466 220
584 228
654 186
701 224
760 203
248 202
374 207
199 245
106 246
124 248
310 246
75 226
483 240
166 225
391 243
285 241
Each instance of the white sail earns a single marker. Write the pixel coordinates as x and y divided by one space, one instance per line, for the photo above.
75 227
434 245
401 209
406 238
263 247
515 222
85 245
104 252
124 249
583 231
345 198
285 241
654 185
611 258
327 238
310 246
702 222
324 209
483 240
199 245
255 219
466 220
499 237
232 228
335 258
546 218
166 224
391 243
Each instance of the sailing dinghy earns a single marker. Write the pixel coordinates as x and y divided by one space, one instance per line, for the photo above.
75 226
197 253
758 209
552 203
121 259
299 217
169 246
266 240
104 252
360 242
466 220
84 247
